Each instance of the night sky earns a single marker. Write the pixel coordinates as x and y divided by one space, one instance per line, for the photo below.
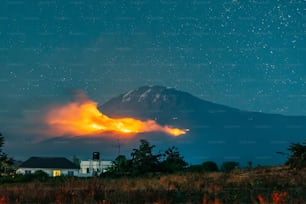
247 54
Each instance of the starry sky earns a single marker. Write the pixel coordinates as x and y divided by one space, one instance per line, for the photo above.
245 54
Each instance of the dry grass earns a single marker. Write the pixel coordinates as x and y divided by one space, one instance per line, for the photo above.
267 185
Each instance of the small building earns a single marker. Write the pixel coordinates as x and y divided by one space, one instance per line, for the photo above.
95 166
53 166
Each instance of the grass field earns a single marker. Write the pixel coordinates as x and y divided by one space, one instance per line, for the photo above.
274 185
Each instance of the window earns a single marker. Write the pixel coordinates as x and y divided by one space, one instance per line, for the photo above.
87 170
56 173
70 173
27 172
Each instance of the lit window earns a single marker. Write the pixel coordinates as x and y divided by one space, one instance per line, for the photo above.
56 173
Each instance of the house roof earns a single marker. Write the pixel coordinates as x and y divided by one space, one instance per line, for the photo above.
49 162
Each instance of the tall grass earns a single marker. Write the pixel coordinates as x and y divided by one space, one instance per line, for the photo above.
261 186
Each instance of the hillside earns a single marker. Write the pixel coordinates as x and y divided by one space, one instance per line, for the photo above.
217 132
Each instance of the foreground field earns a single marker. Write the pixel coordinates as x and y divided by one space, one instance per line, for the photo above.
266 185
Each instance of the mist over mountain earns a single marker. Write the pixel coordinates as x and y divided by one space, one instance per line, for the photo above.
217 132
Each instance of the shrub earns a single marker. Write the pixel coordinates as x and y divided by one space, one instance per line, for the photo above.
210 166
298 156
229 166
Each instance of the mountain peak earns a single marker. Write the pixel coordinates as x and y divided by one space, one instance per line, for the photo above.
217 132
153 93
160 103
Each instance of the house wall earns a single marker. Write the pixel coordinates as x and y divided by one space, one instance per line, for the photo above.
91 167
63 172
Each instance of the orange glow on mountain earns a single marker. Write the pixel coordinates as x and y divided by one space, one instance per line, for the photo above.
83 118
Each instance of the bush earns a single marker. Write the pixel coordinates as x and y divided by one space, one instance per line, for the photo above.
229 166
195 168
210 166
40 175
298 156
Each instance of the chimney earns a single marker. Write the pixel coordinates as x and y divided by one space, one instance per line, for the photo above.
96 156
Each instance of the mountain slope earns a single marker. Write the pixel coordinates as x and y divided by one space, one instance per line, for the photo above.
217 132
161 103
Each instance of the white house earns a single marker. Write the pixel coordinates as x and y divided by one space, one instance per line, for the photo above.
53 166
95 166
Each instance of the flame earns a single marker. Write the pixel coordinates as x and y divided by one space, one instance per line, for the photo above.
83 118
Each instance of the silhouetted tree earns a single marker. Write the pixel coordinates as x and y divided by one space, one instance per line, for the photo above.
297 159
209 166
40 175
195 168
143 159
1 142
121 165
173 161
250 165
229 166
6 163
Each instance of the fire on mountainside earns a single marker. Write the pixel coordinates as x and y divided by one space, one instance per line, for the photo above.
82 118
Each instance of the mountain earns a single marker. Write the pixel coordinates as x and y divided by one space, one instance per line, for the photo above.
165 105
217 132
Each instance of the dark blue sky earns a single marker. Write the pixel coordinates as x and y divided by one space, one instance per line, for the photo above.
246 54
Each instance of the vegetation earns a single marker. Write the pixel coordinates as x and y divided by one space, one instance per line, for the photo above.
120 166
173 161
142 179
210 166
297 158
144 161
262 185
229 166
6 163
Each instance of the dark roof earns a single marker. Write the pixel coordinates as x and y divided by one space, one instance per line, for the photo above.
49 162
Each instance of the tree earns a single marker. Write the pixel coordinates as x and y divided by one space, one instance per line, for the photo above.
6 163
40 175
297 159
209 166
229 166
173 161
195 168
143 160
1 142
121 165
250 165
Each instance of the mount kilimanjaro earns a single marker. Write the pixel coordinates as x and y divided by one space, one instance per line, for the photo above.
217 132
